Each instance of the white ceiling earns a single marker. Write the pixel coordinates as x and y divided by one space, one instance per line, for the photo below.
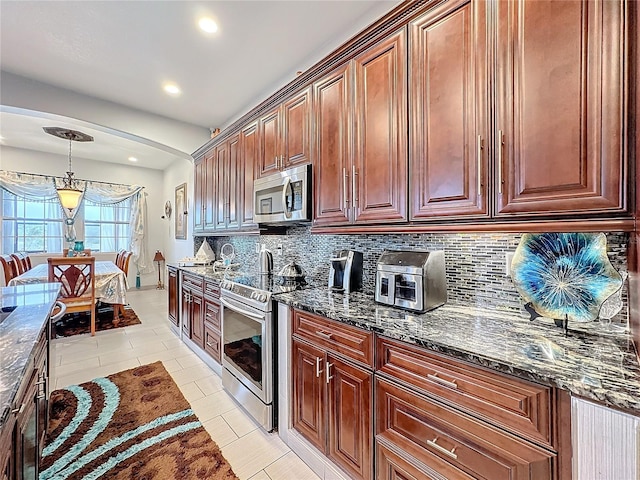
123 51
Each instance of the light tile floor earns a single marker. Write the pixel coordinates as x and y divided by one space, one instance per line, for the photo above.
252 453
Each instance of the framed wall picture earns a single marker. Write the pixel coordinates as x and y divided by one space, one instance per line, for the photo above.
181 211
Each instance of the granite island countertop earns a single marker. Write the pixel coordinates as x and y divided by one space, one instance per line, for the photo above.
25 311
589 364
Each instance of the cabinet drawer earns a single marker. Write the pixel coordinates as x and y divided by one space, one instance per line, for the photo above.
193 282
212 342
211 289
428 430
212 314
517 405
393 464
355 343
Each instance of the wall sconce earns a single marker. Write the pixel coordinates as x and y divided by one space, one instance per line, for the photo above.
159 258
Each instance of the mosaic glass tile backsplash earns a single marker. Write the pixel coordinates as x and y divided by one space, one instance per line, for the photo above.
475 262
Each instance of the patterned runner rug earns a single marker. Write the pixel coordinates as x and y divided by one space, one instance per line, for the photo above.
131 425
78 323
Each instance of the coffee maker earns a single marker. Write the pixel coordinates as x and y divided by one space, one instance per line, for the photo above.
345 273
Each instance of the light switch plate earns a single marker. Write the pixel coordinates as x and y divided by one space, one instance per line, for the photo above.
508 258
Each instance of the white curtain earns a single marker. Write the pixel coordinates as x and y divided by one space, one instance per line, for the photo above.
43 187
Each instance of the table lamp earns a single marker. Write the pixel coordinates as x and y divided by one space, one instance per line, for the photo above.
159 258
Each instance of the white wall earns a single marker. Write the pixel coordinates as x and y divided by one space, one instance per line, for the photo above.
177 174
30 161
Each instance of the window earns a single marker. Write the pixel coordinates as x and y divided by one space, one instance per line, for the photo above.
107 227
29 225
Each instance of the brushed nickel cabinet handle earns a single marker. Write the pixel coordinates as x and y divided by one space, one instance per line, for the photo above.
479 172
442 381
18 411
329 377
345 177
500 146
354 185
450 453
325 335
318 370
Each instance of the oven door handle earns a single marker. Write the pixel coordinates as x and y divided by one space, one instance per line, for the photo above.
241 310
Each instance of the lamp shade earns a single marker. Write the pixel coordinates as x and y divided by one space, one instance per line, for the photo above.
158 257
69 197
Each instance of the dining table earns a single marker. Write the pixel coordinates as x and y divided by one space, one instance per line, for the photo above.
111 283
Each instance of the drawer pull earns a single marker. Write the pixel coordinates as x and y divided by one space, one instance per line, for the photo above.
18 411
325 335
318 370
442 381
210 345
329 377
449 453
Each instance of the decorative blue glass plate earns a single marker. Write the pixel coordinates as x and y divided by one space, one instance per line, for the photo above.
564 275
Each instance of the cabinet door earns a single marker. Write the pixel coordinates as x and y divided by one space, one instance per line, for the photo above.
308 379
296 130
222 185
234 181
332 159
212 314
198 205
350 401
448 102
379 172
173 296
249 155
185 315
197 319
560 104
209 190
269 142
26 446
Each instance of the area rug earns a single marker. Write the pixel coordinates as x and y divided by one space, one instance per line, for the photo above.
78 323
131 425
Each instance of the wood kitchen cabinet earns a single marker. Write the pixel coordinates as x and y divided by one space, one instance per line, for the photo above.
212 325
172 288
560 103
199 188
284 135
192 315
332 395
227 184
448 111
548 139
361 138
248 159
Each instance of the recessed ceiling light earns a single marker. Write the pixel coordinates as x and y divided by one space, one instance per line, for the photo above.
133 159
172 89
208 25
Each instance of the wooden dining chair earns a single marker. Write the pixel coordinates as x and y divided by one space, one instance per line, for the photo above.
21 262
77 276
9 267
126 257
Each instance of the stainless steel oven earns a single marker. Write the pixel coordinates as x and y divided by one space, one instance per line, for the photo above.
248 368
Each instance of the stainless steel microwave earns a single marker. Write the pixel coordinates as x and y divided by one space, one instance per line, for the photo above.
283 197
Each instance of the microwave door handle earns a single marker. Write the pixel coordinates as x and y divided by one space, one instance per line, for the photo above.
285 209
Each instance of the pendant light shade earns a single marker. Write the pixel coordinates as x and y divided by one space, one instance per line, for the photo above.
69 193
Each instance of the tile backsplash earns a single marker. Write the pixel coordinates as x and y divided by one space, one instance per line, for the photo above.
475 262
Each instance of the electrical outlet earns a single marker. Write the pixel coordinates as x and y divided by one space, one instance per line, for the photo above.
257 248
508 258
279 248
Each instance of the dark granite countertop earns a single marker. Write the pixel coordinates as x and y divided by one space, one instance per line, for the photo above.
25 311
586 362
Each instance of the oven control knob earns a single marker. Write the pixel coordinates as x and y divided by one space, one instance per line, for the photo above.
262 297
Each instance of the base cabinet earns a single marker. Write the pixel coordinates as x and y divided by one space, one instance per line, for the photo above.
192 308
172 288
212 335
332 399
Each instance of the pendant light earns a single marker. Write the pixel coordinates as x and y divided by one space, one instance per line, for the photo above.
69 193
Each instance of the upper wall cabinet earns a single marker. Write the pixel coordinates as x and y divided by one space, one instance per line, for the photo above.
228 184
361 138
549 140
248 157
198 191
559 106
448 111
284 135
